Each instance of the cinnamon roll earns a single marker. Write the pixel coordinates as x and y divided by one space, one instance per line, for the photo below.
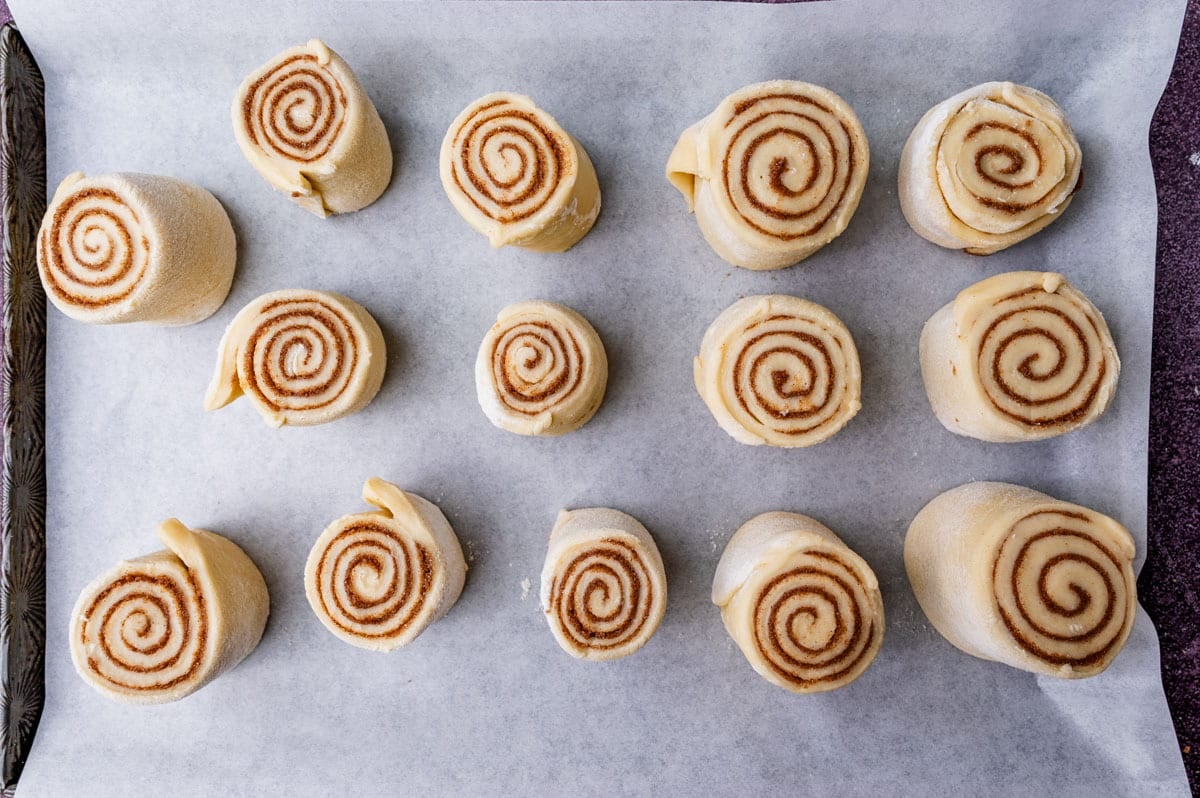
1009 574
774 173
517 177
302 357
541 370
988 168
160 627
378 579
779 370
306 125
129 247
804 609
1018 357
604 589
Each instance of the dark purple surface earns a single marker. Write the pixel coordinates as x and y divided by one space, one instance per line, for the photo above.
1169 584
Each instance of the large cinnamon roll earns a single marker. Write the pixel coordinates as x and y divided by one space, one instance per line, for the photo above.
988 168
302 357
604 589
304 122
804 609
517 177
130 247
1009 574
774 173
1018 357
541 370
378 579
779 370
158 628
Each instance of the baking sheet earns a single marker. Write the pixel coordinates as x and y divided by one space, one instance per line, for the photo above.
484 701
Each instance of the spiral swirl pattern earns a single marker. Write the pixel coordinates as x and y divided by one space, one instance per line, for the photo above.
792 162
146 631
1063 589
509 159
602 597
815 623
295 110
779 370
93 249
1042 357
374 581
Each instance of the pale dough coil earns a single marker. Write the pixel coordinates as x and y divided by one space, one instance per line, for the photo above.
378 579
779 370
129 247
1017 357
988 168
517 177
302 357
307 126
1009 574
804 609
158 628
604 588
774 173
541 370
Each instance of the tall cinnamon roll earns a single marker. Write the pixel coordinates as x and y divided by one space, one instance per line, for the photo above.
378 579
604 589
1017 357
306 125
158 628
804 609
128 247
774 173
517 177
779 370
1009 574
541 370
302 357
988 168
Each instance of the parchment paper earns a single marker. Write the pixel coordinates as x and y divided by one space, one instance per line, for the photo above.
484 702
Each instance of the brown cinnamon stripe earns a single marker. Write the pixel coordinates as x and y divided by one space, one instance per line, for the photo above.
615 559
1099 649
1025 368
565 381
62 268
187 628
261 102
840 181
848 645
398 612
550 148
780 379
309 315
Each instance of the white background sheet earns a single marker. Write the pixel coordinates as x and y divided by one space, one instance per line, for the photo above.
484 701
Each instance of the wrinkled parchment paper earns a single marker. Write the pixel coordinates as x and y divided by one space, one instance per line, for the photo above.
484 702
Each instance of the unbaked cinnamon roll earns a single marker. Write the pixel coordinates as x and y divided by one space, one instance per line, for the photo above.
541 370
517 177
378 579
158 628
774 173
1018 357
804 609
304 122
130 247
302 357
604 589
988 168
1009 574
779 370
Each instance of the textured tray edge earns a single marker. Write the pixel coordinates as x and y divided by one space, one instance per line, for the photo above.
22 408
